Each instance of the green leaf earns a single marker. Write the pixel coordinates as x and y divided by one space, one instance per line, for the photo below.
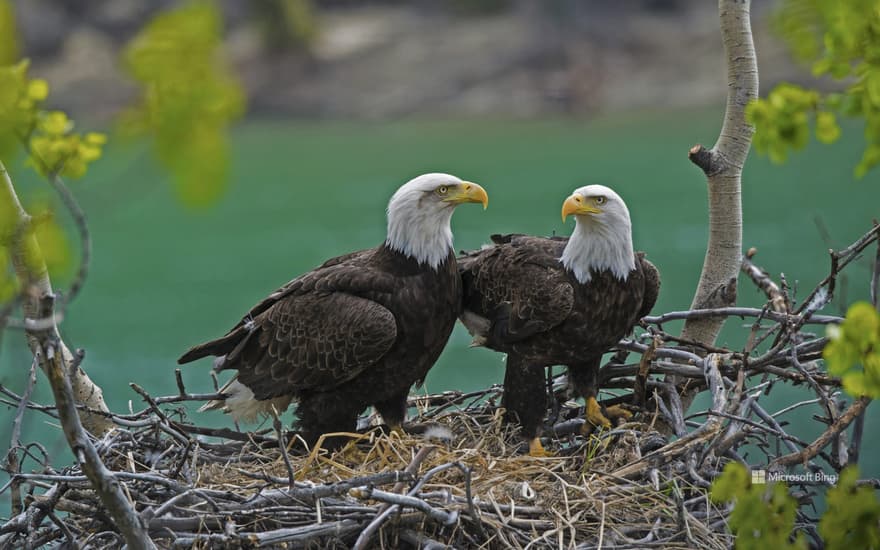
854 351
17 111
763 516
731 483
8 34
840 39
827 130
852 519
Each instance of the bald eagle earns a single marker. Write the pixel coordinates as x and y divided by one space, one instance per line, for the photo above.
358 330
558 301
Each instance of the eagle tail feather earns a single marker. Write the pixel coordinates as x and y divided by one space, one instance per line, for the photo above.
218 347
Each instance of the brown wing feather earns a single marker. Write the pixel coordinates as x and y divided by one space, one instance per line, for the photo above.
347 273
313 342
523 274
652 285
313 333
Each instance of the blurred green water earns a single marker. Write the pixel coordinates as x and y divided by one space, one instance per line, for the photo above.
165 277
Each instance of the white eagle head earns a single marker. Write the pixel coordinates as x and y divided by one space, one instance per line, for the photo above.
602 236
419 215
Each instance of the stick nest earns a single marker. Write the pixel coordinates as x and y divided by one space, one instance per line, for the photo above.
458 477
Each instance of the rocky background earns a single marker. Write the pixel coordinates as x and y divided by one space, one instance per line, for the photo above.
392 59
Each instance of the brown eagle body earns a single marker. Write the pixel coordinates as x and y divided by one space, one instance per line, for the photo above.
359 330
521 300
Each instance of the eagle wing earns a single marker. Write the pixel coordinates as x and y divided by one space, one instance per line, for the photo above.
313 342
520 285
314 333
652 285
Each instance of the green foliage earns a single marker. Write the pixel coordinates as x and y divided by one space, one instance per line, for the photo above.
54 147
763 516
20 100
840 39
8 34
189 98
853 516
782 120
854 351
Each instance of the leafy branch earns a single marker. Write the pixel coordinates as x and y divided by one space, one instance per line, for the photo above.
836 39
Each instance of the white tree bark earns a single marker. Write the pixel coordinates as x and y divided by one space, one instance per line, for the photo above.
723 166
30 269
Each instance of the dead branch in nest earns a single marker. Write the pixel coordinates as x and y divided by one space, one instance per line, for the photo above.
101 479
763 281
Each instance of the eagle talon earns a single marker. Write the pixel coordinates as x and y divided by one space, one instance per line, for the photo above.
537 450
593 417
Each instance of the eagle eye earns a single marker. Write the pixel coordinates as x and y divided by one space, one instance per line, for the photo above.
600 200
442 190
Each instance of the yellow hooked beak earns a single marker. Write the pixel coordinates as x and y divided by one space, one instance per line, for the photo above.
576 204
468 192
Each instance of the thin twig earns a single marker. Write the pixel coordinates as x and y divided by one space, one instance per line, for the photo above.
814 448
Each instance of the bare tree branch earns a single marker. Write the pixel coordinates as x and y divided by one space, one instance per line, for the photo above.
827 436
85 238
102 480
764 282
30 268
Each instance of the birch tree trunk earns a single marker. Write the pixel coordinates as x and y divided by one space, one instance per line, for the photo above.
722 165
30 269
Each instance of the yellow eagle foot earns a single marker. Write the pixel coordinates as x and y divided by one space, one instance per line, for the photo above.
594 417
537 450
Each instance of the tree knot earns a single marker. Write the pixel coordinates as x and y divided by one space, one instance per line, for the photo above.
709 160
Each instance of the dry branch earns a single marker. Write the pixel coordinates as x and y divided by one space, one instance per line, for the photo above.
763 281
101 479
856 409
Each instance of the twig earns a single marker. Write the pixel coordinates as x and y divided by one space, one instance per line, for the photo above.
641 384
102 480
875 277
441 516
31 271
739 312
282 447
764 282
813 449
388 509
12 462
85 239
840 260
